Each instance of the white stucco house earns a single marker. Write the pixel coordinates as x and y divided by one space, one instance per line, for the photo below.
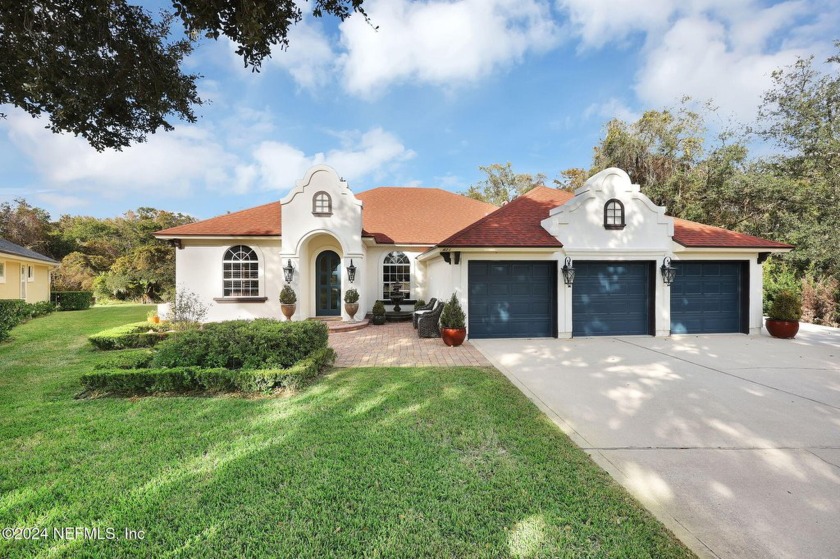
506 264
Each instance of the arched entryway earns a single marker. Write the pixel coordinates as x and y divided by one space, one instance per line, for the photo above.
328 284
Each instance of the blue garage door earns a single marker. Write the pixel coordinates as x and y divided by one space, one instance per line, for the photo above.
708 297
510 299
611 299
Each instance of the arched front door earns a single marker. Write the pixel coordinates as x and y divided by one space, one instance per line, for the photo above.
328 284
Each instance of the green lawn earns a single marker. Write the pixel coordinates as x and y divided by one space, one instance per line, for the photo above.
396 462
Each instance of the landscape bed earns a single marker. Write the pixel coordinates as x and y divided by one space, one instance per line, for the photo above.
376 462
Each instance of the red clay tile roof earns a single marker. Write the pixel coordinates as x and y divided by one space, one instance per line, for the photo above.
390 215
261 221
698 235
417 215
516 224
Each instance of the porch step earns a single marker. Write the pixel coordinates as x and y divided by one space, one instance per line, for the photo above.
326 318
336 327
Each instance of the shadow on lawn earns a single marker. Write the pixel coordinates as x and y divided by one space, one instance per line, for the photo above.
399 462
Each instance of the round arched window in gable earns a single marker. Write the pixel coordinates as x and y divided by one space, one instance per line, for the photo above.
241 272
396 271
321 204
614 214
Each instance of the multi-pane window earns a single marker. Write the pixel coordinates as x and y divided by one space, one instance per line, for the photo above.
614 214
396 269
322 204
241 272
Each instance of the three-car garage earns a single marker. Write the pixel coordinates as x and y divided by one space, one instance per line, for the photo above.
518 299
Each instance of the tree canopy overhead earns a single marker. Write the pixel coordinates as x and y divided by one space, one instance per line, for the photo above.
111 71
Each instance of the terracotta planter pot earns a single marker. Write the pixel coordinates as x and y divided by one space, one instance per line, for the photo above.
156 319
786 329
288 310
378 319
351 309
453 337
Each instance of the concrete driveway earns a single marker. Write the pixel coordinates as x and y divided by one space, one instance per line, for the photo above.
732 441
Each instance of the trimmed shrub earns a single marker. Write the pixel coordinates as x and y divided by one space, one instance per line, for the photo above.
786 306
778 277
243 344
287 295
137 334
16 311
72 300
187 379
419 303
452 315
127 359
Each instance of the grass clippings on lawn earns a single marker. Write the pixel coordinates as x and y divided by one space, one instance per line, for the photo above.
402 462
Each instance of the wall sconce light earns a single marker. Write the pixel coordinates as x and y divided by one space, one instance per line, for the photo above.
668 271
351 271
568 272
288 272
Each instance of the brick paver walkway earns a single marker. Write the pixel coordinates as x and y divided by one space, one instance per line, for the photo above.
396 344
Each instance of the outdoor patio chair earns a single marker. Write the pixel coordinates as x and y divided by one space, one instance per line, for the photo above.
422 310
427 324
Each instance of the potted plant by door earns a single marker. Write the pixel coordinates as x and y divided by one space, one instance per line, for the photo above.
153 317
351 302
287 301
784 314
452 323
379 313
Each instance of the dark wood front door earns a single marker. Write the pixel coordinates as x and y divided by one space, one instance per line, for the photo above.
328 284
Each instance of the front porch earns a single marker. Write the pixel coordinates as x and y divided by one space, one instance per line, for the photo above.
395 344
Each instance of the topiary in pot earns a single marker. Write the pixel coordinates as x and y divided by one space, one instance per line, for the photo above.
452 323
351 302
379 313
784 314
287 301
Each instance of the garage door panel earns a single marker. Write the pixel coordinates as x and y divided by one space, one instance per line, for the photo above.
512 299
611 298
707 297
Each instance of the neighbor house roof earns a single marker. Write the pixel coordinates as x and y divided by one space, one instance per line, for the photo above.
417 215
516 224
8 247
390 215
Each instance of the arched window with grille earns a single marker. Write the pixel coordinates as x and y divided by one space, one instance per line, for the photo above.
614 214
241 272
396 270
321 204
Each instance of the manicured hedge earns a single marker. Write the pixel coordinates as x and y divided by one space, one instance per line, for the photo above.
137 334
127 359
72 300
243 344
16 311
188 379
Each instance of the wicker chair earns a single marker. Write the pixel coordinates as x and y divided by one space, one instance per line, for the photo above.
427 324
427 307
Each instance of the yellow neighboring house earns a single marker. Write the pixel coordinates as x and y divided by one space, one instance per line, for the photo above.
24 274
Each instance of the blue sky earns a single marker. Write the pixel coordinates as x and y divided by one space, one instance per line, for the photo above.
440 89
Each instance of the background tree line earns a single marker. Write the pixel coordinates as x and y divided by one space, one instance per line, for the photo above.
116 258
792 196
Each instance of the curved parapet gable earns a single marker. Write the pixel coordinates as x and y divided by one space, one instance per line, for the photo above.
579 223
337 212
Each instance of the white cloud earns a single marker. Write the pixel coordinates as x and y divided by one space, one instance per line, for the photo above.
723 50
170 163
193 159
278 165
442 43
309 58
610 109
